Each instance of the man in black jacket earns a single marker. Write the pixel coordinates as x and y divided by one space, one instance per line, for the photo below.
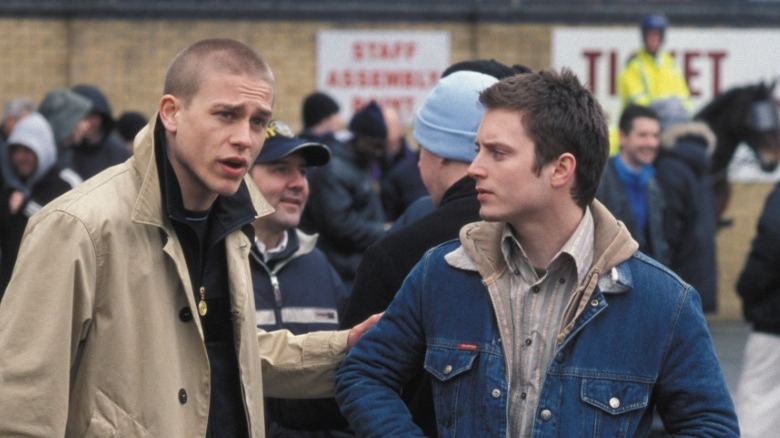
445 127
756 398
344 204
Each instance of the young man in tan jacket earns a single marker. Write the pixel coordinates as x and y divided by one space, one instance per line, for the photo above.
130 311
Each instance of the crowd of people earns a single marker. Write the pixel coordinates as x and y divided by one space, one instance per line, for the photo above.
497 272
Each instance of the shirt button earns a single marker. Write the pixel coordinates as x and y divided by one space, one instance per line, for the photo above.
517 272
528 342
182 396
594 302
496 393
448 369
614 403
535 289
561 280
523 395
185 314
545 415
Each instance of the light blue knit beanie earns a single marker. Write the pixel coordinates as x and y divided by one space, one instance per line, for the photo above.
446 123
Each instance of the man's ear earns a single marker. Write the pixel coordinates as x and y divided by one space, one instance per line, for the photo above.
169 109
563 170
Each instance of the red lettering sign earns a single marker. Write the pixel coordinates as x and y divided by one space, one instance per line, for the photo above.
383 50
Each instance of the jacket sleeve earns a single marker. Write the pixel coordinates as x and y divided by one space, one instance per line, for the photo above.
44 316
693 398
388 355
300 366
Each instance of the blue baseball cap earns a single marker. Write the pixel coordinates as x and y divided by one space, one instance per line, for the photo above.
280 141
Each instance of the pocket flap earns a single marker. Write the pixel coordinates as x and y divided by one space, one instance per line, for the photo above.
615 396
446 363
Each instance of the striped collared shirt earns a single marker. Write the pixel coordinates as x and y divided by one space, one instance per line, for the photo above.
538 301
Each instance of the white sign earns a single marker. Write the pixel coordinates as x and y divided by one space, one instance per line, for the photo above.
712 60
395 68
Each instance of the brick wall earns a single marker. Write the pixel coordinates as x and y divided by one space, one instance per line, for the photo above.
128 59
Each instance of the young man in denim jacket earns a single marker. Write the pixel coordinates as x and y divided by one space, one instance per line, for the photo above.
543 320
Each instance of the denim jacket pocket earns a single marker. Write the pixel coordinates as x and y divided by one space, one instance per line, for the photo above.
450 380
447 363
619 405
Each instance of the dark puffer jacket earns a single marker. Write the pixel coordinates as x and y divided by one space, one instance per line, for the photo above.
345 209
759 283
683 171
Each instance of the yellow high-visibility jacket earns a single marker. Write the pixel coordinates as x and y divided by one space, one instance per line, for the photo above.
647 78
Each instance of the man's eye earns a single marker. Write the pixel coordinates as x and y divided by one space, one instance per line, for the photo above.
259 121
226 114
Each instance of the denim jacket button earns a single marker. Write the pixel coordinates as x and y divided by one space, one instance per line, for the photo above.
614 403
545 414
496 393
448 369
594 302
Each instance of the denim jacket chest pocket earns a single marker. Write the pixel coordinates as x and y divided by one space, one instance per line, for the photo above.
468 386
619 405
451 379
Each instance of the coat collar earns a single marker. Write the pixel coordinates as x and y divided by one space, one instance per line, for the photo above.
480 248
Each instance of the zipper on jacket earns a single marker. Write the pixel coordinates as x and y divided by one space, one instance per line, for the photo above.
277 289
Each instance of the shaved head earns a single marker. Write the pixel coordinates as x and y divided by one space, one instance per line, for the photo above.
186 71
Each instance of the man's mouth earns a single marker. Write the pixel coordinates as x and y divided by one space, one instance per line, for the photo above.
294 201
234 164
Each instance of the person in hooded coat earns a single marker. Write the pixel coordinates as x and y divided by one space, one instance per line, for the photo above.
31 178
683 172
100 148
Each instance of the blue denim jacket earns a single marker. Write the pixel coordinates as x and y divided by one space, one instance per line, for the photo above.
638 341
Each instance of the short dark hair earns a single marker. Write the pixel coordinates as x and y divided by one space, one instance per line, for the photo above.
633 112
559 115
186 71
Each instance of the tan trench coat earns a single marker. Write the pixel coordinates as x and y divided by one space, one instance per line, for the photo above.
95 338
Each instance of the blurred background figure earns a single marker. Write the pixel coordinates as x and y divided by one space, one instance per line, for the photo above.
652 73
322 121
344 205
66 111
31 179
14 111
628 187
99 148
682 169
294 285
400 181
127 126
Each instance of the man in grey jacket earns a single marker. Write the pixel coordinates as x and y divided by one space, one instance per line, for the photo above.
141 322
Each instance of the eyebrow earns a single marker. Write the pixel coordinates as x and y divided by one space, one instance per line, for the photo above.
241 108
